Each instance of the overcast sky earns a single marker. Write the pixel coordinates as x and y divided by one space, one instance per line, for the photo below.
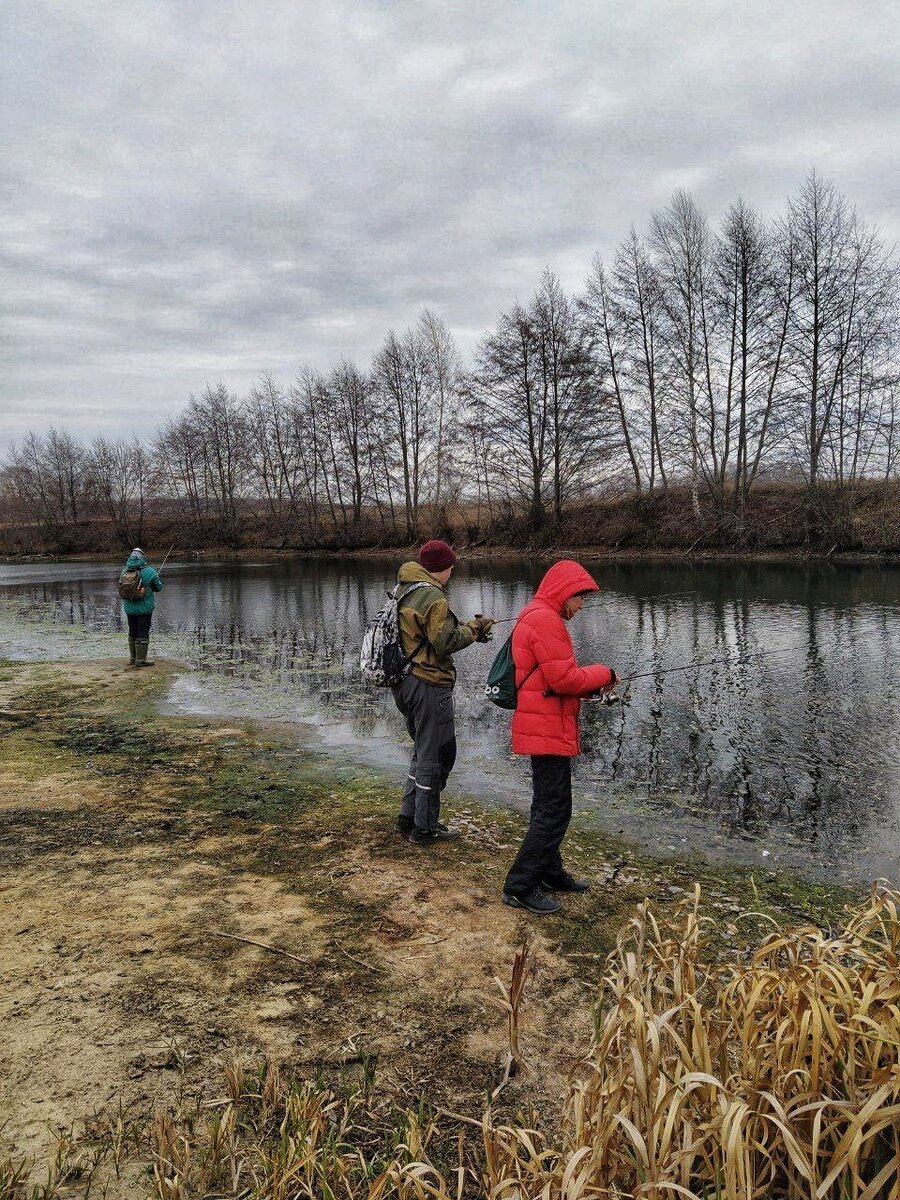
200 191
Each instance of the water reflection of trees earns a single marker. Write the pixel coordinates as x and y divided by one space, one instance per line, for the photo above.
791 742
798 745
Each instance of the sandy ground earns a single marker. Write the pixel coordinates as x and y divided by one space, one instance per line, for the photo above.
116 984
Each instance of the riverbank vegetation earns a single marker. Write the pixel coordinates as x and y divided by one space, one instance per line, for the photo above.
224 975
735 388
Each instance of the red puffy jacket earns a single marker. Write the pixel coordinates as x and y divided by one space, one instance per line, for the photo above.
545 724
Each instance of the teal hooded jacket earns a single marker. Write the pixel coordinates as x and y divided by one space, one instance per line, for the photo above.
152 583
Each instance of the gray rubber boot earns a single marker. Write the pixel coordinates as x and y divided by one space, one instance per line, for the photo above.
141 646
131 651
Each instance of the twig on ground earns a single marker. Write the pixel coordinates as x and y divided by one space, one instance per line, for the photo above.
233 937
359 962
445 1112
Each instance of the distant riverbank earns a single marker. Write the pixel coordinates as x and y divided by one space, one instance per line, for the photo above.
489 553
779 521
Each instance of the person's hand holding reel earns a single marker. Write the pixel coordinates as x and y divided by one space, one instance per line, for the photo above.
606 695
483 626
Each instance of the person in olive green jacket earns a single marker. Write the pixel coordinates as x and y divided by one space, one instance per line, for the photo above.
431 635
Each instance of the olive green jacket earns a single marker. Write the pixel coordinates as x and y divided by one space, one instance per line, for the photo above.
425 613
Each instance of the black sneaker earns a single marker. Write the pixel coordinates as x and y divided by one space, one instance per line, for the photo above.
404 825
424 837
565 883
534 902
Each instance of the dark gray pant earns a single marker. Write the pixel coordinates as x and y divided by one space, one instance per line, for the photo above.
139 624
539 857
429 721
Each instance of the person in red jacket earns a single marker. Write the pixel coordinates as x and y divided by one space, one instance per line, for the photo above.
545 725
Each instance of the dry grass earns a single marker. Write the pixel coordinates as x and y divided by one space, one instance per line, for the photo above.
778 1076
511 1000
775 1076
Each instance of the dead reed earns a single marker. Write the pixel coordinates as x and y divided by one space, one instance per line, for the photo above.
777 1075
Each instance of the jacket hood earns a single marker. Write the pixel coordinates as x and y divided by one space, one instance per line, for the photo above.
134 561
563 580
413 572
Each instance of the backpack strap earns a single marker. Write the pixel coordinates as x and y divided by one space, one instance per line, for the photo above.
528 676
533 669
424 642
412 588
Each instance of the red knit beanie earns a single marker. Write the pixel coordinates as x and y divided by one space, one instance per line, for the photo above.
436 556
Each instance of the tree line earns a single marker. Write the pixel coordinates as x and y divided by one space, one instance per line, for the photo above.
708 359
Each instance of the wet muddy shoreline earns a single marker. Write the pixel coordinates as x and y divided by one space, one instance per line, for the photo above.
127 836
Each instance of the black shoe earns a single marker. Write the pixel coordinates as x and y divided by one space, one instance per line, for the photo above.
534 902
404 825
424 837
565 883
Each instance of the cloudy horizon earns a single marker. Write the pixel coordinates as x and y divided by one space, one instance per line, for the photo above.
202 193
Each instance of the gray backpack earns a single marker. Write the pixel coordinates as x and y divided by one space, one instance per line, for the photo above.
381 658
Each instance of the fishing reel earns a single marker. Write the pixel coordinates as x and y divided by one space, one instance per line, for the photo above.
609 698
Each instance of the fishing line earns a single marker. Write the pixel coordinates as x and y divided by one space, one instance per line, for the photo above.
610 697
748 656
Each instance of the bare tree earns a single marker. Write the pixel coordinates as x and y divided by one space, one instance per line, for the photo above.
49 477
400 374
638 300
680 241
349 393
755 305
119 476
443 374
606 321
534 383
573 394
828 254
273 455
506 387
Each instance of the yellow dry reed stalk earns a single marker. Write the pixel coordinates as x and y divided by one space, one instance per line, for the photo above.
171 1160
778 1076
511 1000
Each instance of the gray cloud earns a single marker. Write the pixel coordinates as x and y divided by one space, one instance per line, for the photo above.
205 191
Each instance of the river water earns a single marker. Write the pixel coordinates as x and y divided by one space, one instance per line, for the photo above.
783 759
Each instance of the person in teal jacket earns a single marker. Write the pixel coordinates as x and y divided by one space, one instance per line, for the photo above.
140 612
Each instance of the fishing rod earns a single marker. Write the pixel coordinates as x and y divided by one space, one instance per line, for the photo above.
166 559
610 697
716 662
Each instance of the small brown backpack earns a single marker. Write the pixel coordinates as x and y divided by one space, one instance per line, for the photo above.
131 586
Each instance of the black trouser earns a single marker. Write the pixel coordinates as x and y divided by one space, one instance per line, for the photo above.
429 721
139 625
551 810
